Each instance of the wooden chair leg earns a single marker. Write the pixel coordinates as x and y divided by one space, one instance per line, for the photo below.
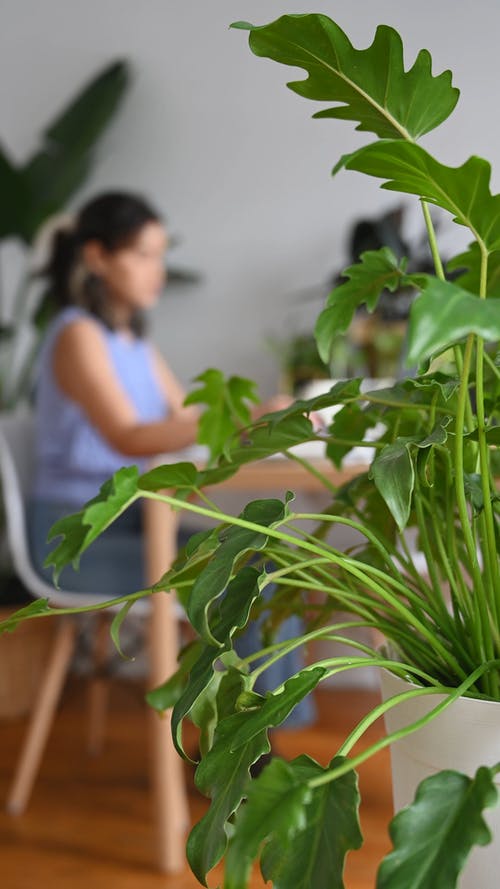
98 687
171 807
42 718
169 788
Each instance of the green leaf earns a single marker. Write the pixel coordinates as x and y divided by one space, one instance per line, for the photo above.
492 435
426 463
445 314
204 712
59 168
370 84
394 475
462 191
377 271
225 689
351 423
223 775
170 475
232 614
233 685
277 436
241 393
275 807
83 120
275 433
80 529
73 532
228 408
277 705
200 676
52 176
188 564
315 858
115 496
474 491
35 608
469 263
164 696
263 440
340 392
15 198
433 837
439 434
115 628
235 541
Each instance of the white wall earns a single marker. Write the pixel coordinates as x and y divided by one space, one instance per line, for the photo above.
212 135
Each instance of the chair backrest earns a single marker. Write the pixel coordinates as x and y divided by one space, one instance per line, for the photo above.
16 470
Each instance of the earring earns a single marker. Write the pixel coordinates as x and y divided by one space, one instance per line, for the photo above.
78 283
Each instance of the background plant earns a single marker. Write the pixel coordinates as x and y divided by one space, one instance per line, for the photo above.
41 187
35 191
432 474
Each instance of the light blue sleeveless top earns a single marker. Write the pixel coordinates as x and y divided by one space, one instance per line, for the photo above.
72 460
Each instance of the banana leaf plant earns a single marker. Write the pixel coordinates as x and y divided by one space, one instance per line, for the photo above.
42 186
432 475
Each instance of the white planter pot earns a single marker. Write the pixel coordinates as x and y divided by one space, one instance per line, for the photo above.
465 736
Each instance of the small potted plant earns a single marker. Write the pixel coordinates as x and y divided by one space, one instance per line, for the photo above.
432 476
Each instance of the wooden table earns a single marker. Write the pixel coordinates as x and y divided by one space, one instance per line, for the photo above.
272 475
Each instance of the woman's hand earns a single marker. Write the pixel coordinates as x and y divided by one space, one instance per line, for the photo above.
276 403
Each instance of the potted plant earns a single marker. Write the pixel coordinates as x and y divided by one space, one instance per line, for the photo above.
432 476
41 187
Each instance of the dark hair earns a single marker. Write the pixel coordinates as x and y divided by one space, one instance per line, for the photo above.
114 219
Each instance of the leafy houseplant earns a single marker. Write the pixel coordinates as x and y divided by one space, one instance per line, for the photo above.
432 475
40 187
374 343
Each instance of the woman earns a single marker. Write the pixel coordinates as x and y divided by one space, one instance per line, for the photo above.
105 397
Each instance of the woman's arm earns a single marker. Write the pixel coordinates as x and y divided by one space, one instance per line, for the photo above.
171 387
84 372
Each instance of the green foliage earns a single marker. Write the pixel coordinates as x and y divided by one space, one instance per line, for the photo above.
329 828
228 405
371 85
445 314
44 184
467 265
434 439
37 608
82 528
462 191
223 774
274 809
434 835
377 271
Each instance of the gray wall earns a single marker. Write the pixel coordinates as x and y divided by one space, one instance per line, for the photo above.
212 135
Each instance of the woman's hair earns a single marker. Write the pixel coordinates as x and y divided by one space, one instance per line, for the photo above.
114 219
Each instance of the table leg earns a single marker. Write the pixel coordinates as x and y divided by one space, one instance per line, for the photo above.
171 810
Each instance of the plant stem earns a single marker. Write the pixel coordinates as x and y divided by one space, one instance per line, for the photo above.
431 234
480 626
452 695
312 470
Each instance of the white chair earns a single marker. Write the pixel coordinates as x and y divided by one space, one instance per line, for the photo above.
16 464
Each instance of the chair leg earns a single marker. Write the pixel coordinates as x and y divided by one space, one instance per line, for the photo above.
98 687
42 718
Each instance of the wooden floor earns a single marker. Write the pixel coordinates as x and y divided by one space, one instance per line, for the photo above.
89 823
